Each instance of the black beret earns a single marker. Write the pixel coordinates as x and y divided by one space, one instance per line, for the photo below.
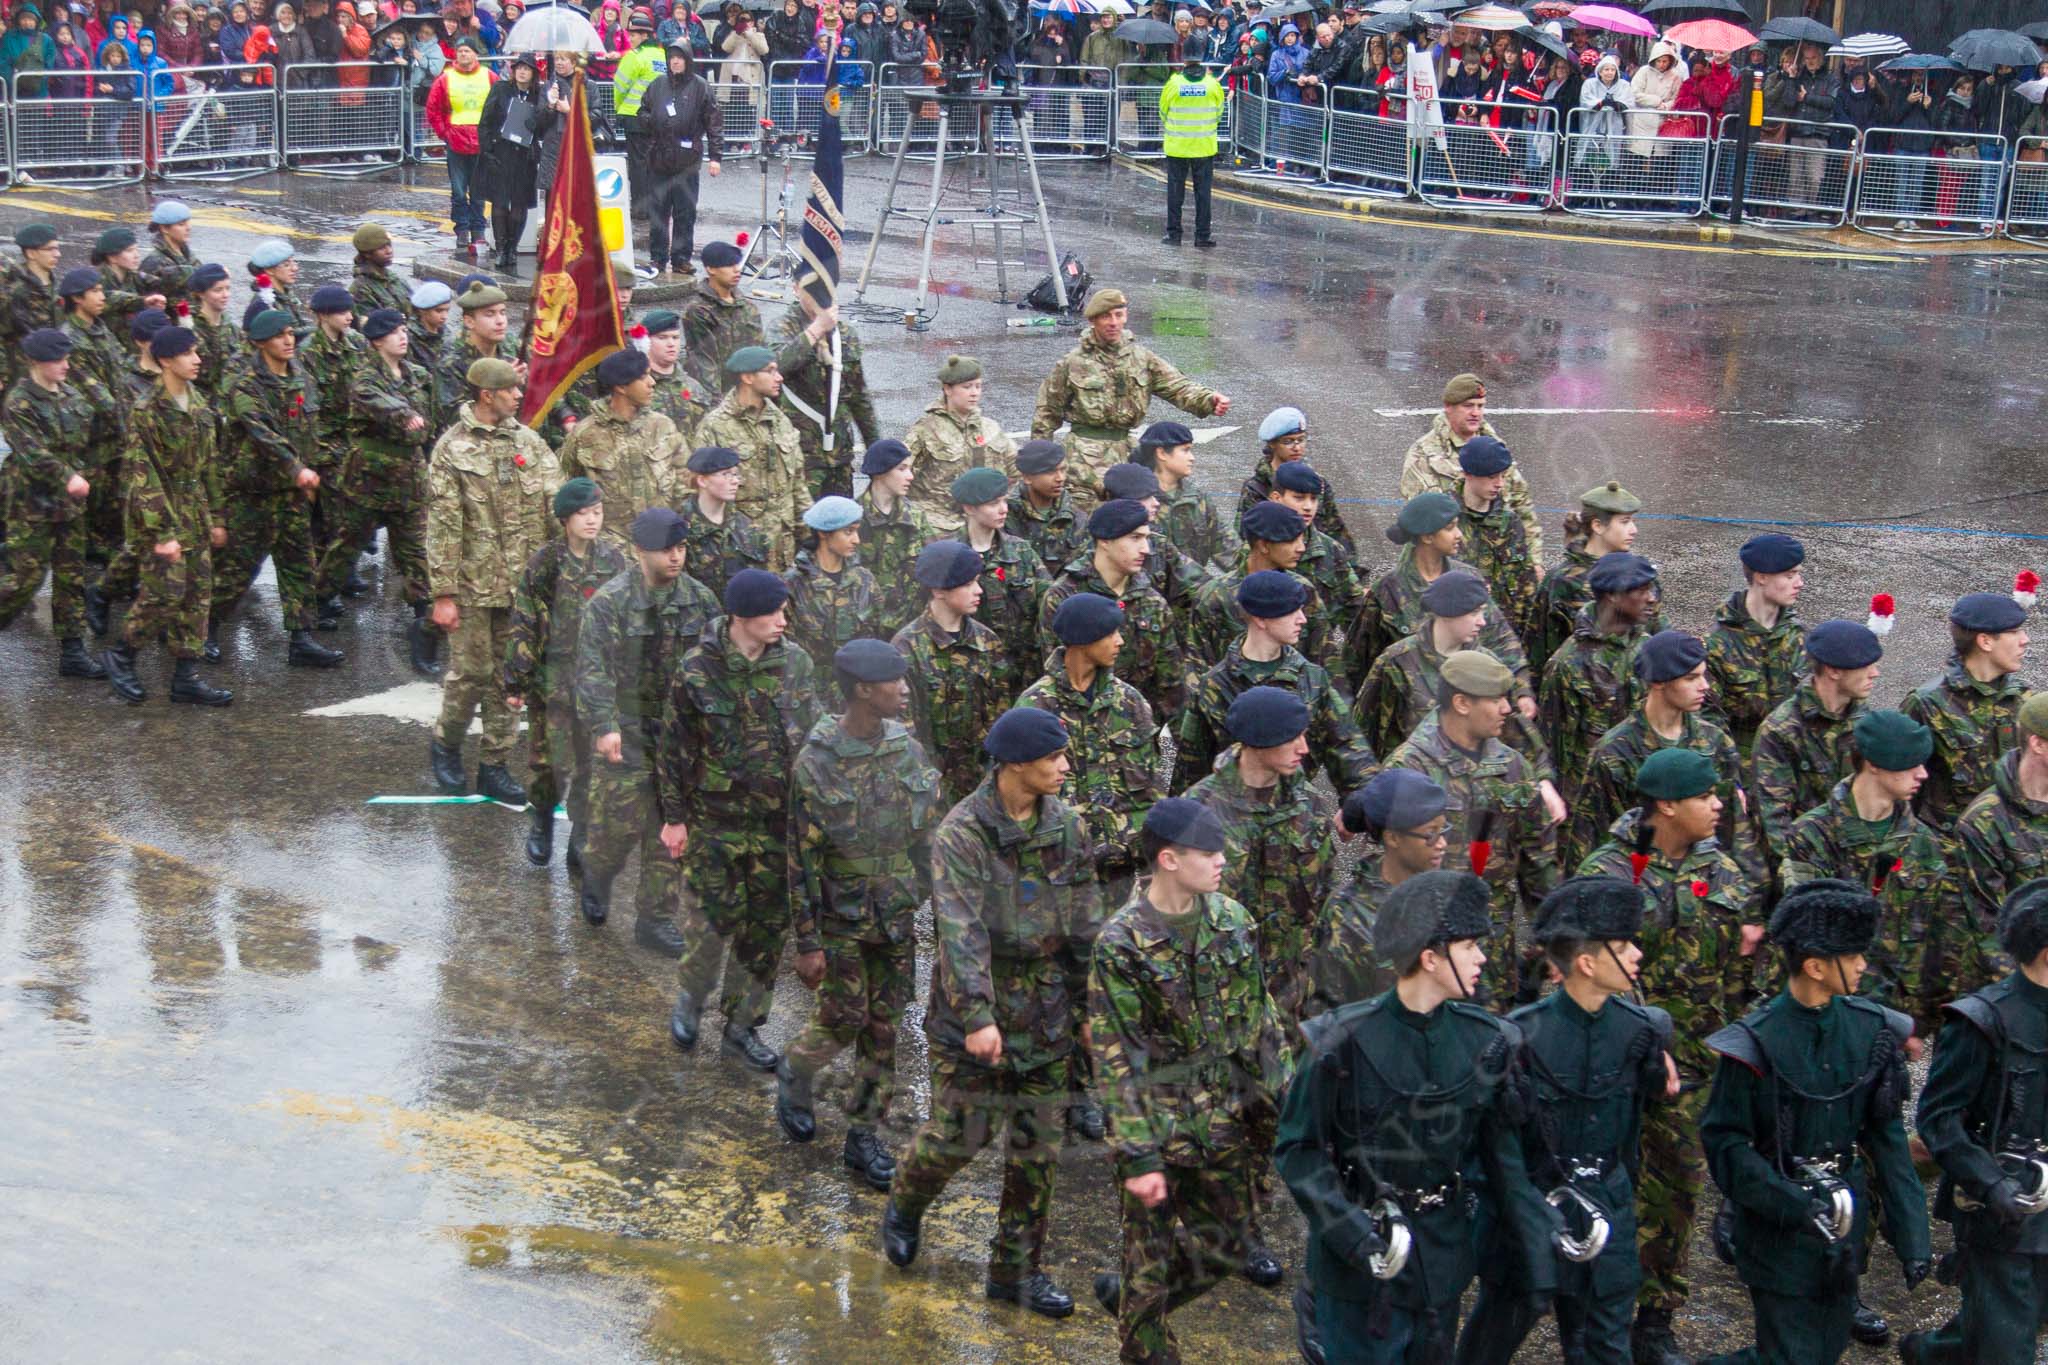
1273 522
1423 515
1024 734
206 277
1117 518
1669 654
46 343
1271 593
1187 823
1843 644
172 341
1085 618
1456 592
1892 740
883 456
713 459
1484 456
332 298
755 592
1593 908
1396 798
1431 909
145 324
381 323
1620 571
1298 476
1132 481
2023 922
1772 553
869 661
1165 434
621 367
1991 613
1266 717
946 564
1039 457
720 254
76 281
660 528
1824 918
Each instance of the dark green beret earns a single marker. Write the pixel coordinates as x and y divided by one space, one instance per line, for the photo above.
271 322
662 320
979 485
749 360
1422 515
1676 774
30 236
1892 740
575 495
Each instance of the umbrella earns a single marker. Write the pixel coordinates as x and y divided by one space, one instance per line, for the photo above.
553 28
1536 37
1985 49
1711 35
1921 61
2037 30
1146 33
1796 28
2031 91
1552 9
1871 45
1389 6
1675 11
1287 7
1492 19
1614 20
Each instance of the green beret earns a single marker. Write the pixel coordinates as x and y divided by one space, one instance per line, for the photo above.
1892 740
979 485
1476 673
749 360
1610 499
1463 388
113 242
269 323
1676 774
489 373
1102 301
959 369
30 236
575 495
2034 715
1422 515
661 320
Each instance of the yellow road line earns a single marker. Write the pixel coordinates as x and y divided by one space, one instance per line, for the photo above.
204 217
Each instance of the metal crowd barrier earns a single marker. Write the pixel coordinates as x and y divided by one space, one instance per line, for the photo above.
796 107
224 131
94 139
2026 215
903 108
1605 175
332 129
1070 113
1936 191
1788 185
1368 150
1136 131
1510 166
1292 140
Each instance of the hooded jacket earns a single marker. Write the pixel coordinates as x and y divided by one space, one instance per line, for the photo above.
682 121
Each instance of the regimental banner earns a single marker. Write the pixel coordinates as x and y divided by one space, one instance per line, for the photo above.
575 300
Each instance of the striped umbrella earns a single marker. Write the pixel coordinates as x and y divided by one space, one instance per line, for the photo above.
1871 45
1491 18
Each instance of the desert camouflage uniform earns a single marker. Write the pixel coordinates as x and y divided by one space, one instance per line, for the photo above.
1432 463
636 464
943 446
1102 391
771 472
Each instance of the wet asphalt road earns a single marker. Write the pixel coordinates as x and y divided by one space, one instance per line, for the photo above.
289 1074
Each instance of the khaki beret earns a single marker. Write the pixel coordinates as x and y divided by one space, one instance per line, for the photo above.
1476 673
491 373
1102 300
1463 388
959 369
1611 499
479 296
370 237
2034 715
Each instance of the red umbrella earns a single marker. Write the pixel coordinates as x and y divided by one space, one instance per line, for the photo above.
1711 35
1553 9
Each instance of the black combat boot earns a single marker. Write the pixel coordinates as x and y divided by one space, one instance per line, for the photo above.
307 652
74 662
1036 1292
446 760
1086 1118
329 614
188 686
661 935
423 642
540 835
97 607
596 900
495 781
573 855
1109 1291
793 1104
212 648
900 1235
1261 1267
746 1045
120 663
865 1153
1651 1342
1867 1325
356 585
682 1020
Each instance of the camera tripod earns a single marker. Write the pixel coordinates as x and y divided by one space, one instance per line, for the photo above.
778 260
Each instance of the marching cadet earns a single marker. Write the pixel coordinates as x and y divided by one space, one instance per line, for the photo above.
273 283
1973 707
1605 524
675 396
426 321
540 657
1432 462
1280 866
1802 748
375 284
1403 682
1988 1131
1275 538
632 452
1510 828
116 254
722 539
950 438
1596 1063
1178 577
1013 577
1367 1177
1495 538
2002 836
1590 682
221 347
173 490
1193 1057
48 425
635 632
959 675
490 501
717 322
1753 651
803 337
481 336
832 595
1101 389
1404 813
1325 561
1010 872
893 529
746 420
1804 1117
330 356
1152 657
1263 654
1702 919
1283 439
863 804
743 701
1187 517
1040 509
98 366
170 261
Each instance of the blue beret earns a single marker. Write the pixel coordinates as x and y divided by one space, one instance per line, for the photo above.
332 298
381 323
1484 456
1271 593
660 528
206 277
1186 823
1456 592
46 343
431 294
754 592
1892 740
979 485
869 661
1423 515
1282 422
172 341
1620 571
275 251
1298 476
271 322
169 212
1991 613
574 495
146 323
713 459
1843 644
1396 798
1117 518
621 367
1085 618
946 564
1024 734
1772 553
1669 654
1271 522
1165 435
832 513
749 360
76 281
883 456
719 254
1039 457
1264 717
1132 481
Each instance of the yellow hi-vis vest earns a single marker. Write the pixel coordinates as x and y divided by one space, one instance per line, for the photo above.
1188 114
466 95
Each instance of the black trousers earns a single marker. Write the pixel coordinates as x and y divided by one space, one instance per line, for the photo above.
672 218
1178 169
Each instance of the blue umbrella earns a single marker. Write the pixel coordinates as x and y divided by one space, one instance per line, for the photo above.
1921 61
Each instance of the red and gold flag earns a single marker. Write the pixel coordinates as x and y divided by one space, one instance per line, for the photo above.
575 302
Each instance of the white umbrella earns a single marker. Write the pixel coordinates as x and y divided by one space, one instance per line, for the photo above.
1491 19
2031 91
1871 45
553 28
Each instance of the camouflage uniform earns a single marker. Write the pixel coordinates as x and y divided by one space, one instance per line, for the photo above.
172 492
771 472
861 813
223 350
1327 565
451 367
1974 725
1522 870
1346 967
1497 541
713 328
729 735
1751 669
1102 391
1013 583
1113 747
1003 900
166 269
1609 787
1219 621
1401 688
1180 580
677 399
267 420
943 446
125 291
1192 1059
1589 687
2001 842
1259 488
631 644
718 550
490 492
286 300
1334 743
99 373
828 609
1432 463
807 376
540 668
636 464
1151 659
1057 532
959 684
1801 751
889 542
381 480
1564 590
1393 608
376 286
27 302
1693 913
47 433
1189 521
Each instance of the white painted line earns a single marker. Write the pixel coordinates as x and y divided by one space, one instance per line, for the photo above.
1203 435
1695 413
414 703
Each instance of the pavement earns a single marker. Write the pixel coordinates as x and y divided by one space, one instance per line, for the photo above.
290 1073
